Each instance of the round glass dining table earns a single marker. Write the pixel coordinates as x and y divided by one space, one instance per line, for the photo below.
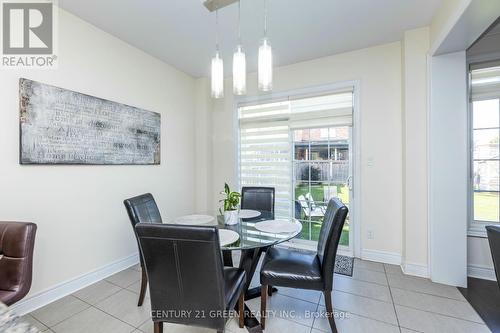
252 238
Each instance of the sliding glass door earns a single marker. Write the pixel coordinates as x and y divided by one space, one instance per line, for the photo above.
302 147
321 171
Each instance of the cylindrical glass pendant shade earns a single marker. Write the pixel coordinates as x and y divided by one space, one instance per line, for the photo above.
239 72
265 66
217 76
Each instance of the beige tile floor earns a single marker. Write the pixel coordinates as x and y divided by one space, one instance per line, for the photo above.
378 298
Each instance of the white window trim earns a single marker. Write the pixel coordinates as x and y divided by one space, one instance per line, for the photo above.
475 228
356 141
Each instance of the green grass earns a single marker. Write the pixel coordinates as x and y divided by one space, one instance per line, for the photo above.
486 206
318 194
313 234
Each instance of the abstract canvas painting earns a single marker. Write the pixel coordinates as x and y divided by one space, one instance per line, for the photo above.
59 126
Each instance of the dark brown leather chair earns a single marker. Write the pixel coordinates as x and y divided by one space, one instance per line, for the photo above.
494 240
300 270
186 276
142 209
17 240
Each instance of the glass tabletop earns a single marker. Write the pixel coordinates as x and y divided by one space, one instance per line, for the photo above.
250 237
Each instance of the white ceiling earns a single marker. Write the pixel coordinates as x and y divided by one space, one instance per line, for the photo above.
181 32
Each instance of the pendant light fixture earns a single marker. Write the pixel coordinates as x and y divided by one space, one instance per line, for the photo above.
217 65
239 63
265 70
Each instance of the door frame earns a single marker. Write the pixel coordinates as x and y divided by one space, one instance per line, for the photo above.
355 214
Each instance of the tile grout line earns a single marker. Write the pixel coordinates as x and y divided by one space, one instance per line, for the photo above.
362 316
359 315
379 284
428 294
96 308
297 298
116 292
119 285
90 305
57 323
440 314
432 295
392 298
113 316
413 290
341 291
369 297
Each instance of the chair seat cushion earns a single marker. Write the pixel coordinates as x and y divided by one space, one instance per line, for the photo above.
293 269
234 279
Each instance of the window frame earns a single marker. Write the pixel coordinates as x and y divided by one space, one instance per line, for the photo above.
475 228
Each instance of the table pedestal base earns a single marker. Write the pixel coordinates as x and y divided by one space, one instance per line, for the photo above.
248 262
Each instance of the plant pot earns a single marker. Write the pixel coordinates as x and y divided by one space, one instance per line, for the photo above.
231 217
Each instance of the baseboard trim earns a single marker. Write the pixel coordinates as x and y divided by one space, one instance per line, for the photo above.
381 256
415 269
481 272
50 295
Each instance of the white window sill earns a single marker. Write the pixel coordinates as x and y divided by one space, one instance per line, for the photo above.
477 229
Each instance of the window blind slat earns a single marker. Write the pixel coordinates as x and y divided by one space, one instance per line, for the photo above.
485 83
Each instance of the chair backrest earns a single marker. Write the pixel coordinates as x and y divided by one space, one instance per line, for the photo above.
310 199
142 209
494 240
329 238
185 272
17 241
303 201
258 198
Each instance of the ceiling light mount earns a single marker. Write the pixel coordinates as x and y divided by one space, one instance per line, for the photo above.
213 5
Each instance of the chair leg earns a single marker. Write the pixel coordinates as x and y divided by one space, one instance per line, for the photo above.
158 327
241 310
144 284
263 301
329 310
269 291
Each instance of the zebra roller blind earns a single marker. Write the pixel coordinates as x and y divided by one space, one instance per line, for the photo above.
485 81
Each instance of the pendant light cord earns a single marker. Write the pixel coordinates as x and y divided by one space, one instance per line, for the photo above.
239 22
217 29
265 18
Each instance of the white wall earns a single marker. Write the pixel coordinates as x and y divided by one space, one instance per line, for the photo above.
444 20
458 23
203 146
479 261
448 162
82 223
414 93
378 70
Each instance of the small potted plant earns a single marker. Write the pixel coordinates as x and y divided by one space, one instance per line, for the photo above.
231 201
